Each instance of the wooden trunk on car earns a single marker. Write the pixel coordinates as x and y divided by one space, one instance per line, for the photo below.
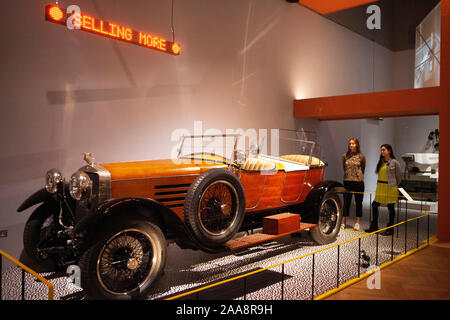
281 223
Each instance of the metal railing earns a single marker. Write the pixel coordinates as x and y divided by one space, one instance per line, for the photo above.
339 284
24 269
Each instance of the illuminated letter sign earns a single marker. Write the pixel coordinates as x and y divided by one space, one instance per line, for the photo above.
81 21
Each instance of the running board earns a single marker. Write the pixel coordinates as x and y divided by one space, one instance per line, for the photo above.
274 227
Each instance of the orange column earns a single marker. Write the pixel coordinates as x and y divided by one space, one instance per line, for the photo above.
444 121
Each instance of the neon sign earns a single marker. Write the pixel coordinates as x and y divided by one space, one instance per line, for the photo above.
84 22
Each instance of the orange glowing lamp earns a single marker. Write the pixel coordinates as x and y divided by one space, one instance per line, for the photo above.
176 48
84 22
55 13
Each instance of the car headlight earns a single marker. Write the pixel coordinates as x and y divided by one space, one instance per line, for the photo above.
80 186
52 179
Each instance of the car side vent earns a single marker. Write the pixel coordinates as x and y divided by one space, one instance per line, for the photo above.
185 185
171 195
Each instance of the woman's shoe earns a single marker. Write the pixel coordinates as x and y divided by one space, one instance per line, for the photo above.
371 229
387 232
356 226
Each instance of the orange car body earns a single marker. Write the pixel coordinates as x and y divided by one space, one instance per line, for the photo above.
167 181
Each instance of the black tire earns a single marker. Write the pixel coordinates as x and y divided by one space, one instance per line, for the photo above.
124 262
330 218
36 228
214 207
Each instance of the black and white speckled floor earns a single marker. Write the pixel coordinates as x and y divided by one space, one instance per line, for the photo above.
186 269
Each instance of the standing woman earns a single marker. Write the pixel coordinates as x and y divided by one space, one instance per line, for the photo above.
389 177
354 164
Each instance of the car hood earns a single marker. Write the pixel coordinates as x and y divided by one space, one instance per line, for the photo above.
160 168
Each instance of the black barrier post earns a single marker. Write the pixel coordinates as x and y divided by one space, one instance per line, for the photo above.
392 246
417 234
406 209
421 213
376 256
406 227
245 288
370 208
23 284
359 256
428 229
337 275
312 285
1 272
399 207
282 282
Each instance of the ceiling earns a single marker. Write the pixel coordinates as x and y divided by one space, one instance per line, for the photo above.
329 6
399 18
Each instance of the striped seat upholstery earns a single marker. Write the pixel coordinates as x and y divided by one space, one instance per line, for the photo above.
303 159
256 164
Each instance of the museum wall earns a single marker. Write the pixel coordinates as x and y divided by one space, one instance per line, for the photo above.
242 64
411 134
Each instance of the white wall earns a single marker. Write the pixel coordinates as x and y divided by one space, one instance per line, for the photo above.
242 64
403 70
411 134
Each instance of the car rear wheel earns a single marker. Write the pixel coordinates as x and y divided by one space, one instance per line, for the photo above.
124 262
214 207
330 217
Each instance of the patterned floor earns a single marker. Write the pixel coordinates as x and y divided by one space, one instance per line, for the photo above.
187 270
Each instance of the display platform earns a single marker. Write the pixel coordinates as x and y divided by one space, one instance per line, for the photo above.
188 270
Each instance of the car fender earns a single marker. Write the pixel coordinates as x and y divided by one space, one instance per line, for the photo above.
38 197
311 205
148 208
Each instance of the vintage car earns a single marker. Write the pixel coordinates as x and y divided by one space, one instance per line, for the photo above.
114 220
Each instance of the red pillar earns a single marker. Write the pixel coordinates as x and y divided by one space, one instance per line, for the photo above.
444 122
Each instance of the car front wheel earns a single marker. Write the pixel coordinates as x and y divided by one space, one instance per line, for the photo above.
124 262
214 207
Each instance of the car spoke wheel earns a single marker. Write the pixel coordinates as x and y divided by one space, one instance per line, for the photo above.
214 207
330 217
218 207
124 261
37 229
329 211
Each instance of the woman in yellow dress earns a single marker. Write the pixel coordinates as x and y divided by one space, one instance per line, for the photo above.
389 177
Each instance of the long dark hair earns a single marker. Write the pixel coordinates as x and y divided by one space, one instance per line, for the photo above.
358 148
380 162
